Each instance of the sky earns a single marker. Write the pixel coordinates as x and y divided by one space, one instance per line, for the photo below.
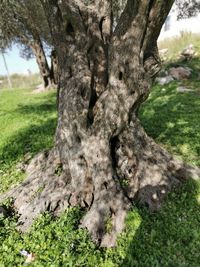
16 64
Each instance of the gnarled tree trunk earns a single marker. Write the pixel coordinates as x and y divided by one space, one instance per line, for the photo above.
102 160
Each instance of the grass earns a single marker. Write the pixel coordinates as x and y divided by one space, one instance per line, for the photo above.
21 81
176 44
170 237
27 125
172 119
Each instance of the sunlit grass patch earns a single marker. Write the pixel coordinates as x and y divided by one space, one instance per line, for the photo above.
172 118
27 125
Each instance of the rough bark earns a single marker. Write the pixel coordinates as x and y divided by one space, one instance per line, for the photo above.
102 159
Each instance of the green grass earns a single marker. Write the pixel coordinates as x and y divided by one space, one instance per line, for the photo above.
170 237
27 125
172 119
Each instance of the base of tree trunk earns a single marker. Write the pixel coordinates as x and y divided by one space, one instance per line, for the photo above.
143 172
42 88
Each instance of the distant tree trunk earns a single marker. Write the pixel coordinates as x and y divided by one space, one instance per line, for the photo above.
6 67
54 67
47 75
102 160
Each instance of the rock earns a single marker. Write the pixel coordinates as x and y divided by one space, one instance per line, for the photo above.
163 53
164 80
21 167
182 89
188 52
30 257
163 73
27 157
180 73
40 88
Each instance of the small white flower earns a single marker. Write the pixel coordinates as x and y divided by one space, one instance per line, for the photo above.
24 253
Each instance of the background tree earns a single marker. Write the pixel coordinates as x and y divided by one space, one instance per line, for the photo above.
3 45
187 8
24 23
102 159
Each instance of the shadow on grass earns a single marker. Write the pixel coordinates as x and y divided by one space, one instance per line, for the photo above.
34 132
39 116
34 109
29 140
173 119
44 105
170 237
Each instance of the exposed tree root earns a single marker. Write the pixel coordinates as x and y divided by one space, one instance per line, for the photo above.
42 88
142 171
149 170
45 189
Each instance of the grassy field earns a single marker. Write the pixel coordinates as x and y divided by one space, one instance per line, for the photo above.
170 237
27 125
21 81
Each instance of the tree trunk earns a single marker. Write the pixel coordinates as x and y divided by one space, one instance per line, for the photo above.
47 75
102 160
54 73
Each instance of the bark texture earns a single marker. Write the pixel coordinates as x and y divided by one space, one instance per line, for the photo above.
102 160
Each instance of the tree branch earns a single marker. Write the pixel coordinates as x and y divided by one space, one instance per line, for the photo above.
159 10
55 21
149 53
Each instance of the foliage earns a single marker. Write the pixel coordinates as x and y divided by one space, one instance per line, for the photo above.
187 8
24 23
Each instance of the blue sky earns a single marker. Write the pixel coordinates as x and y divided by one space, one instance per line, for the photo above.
16 64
